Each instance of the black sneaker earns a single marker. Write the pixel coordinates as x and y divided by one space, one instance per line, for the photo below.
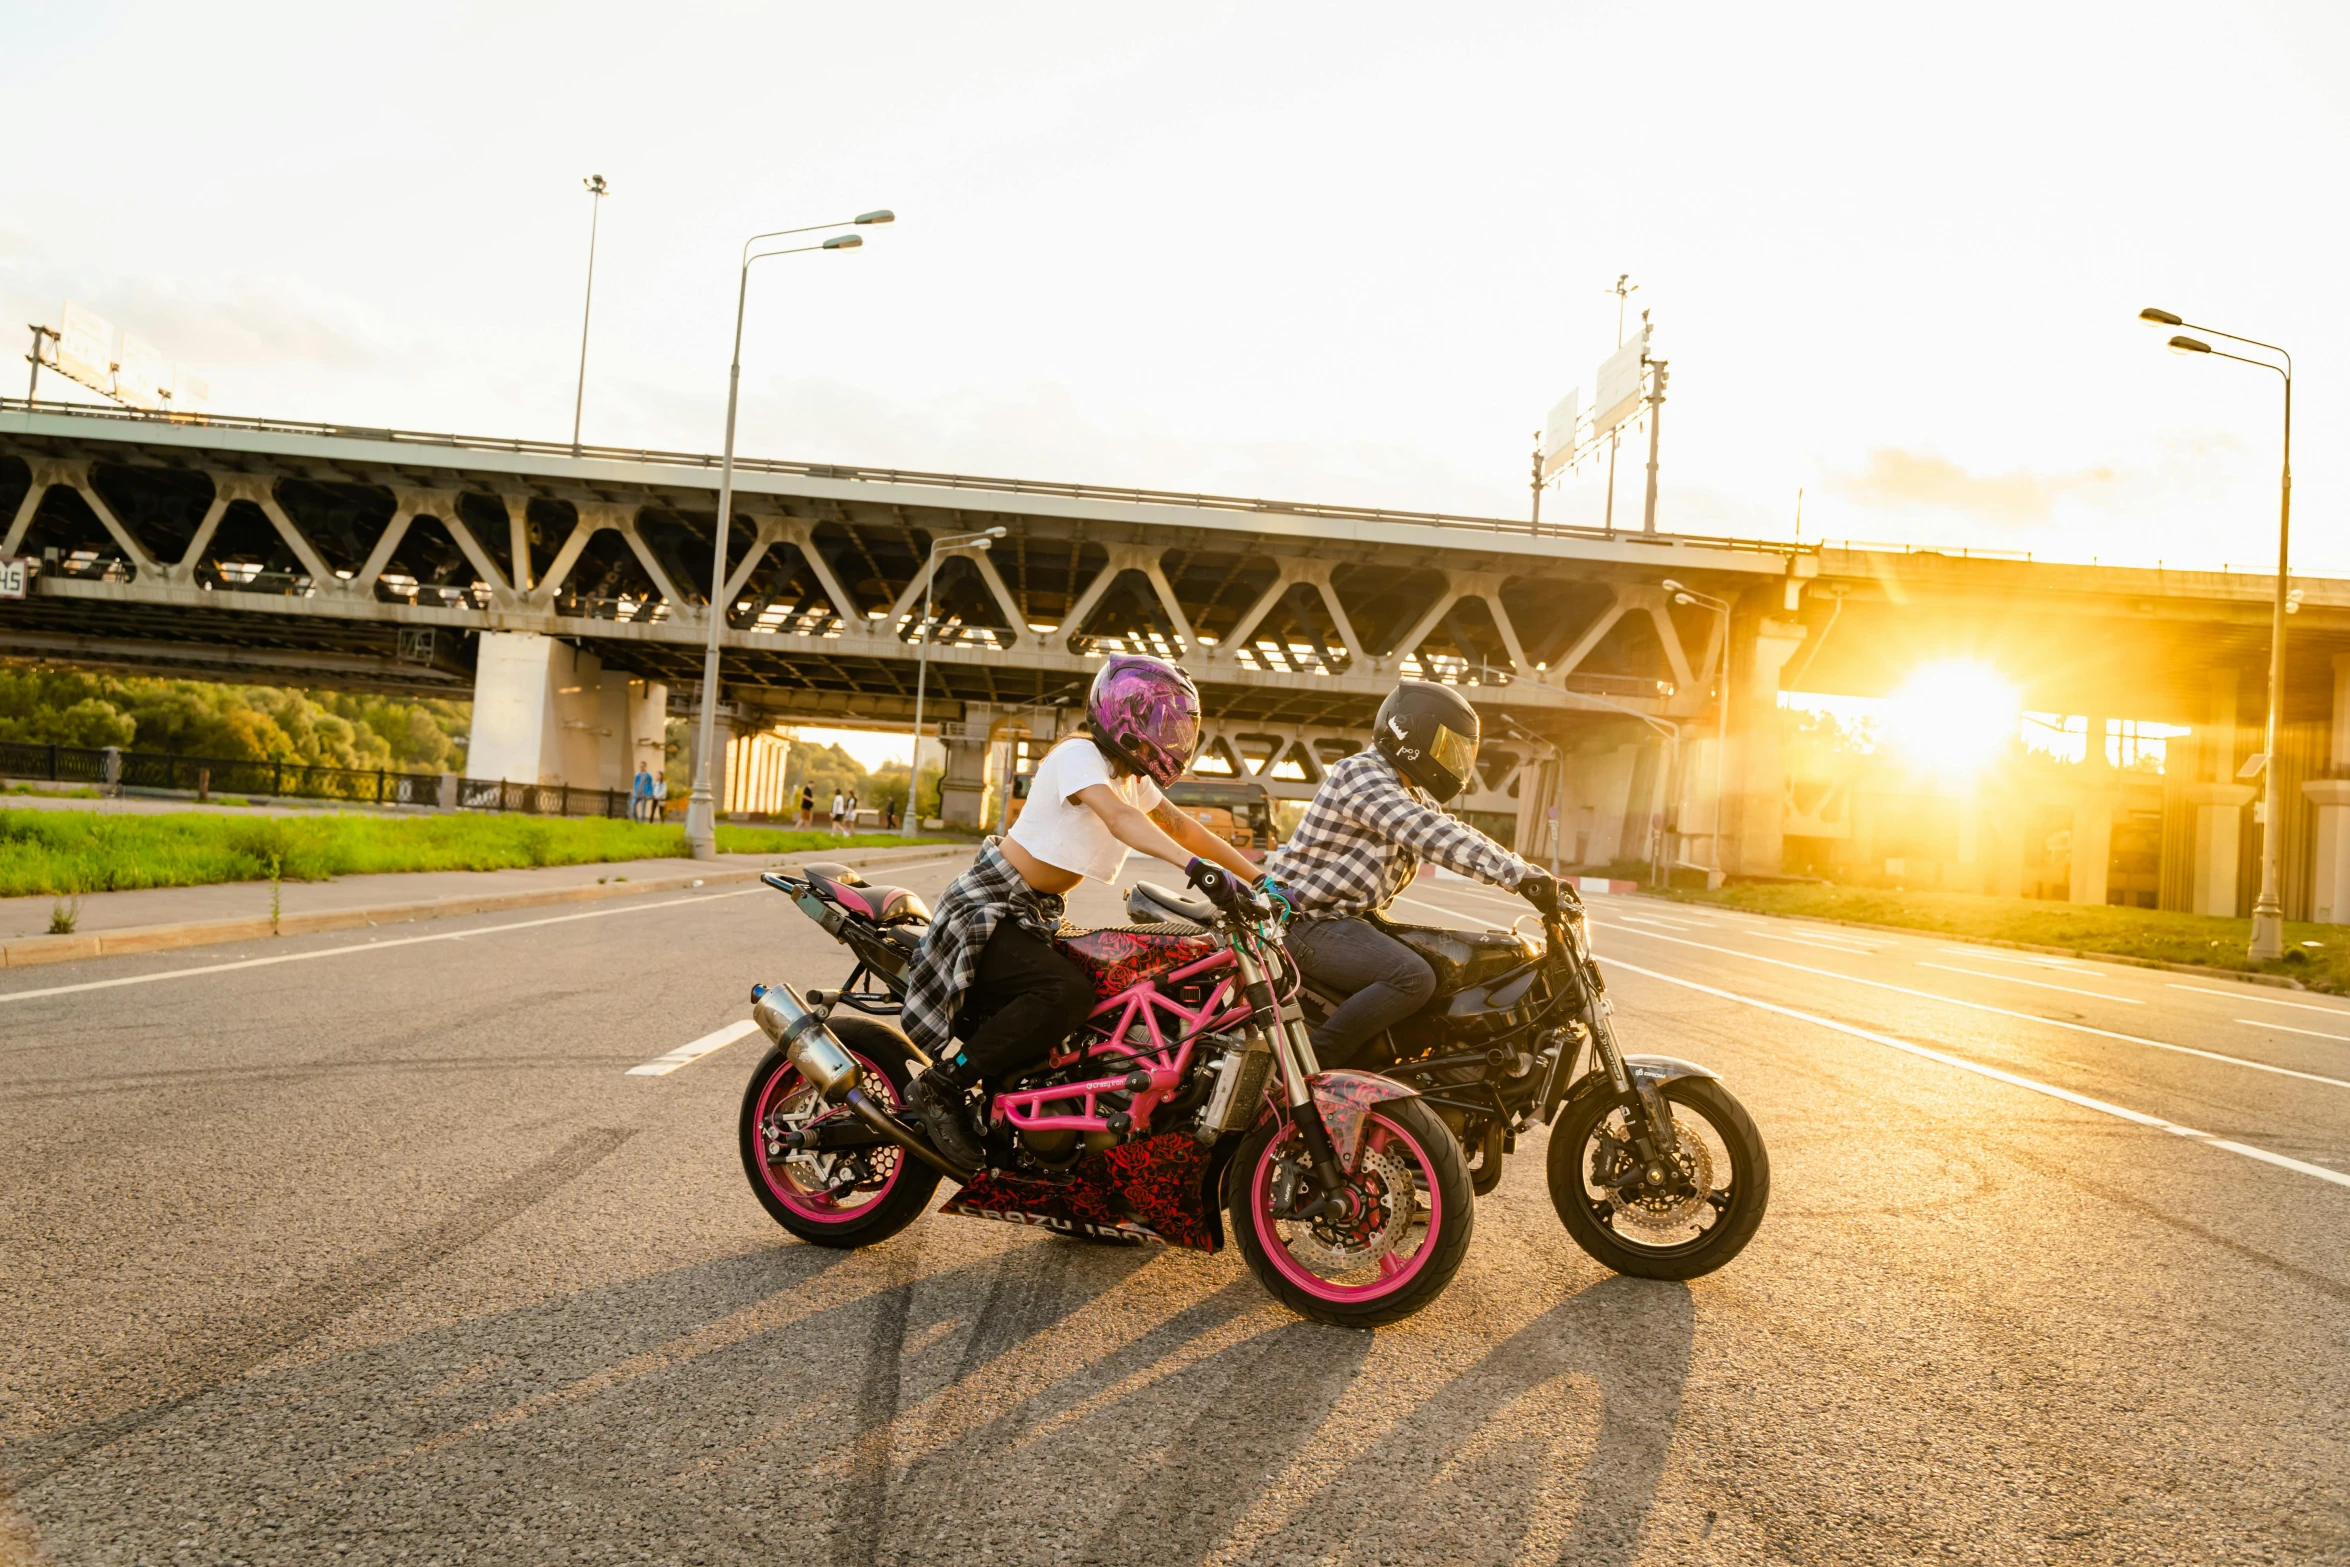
939 1105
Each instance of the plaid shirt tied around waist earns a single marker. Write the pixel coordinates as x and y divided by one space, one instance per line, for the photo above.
1363 838
977 901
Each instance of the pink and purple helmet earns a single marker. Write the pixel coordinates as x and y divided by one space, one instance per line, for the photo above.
1145 712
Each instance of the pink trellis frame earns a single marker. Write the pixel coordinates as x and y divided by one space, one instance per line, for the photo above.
1075 1107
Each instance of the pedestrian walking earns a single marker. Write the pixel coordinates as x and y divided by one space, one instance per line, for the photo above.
840 807
807 806
852 810
889 811
640 795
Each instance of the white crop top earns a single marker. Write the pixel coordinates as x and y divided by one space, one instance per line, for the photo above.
1061 830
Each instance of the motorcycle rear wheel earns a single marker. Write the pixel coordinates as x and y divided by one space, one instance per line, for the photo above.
1404 1142
794 1188
1664 1240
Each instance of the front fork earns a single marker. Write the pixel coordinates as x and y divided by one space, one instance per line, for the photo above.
1294 1054
1653 1133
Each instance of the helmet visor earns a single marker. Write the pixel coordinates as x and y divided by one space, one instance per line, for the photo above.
1453 751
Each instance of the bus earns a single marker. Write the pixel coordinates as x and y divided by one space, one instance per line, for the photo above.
1239 812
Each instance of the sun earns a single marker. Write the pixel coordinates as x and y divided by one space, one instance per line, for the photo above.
1954 718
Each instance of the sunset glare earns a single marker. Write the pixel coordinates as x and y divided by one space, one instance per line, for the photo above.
1954 718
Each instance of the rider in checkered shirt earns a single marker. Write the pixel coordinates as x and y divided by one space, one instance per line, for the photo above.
1372 822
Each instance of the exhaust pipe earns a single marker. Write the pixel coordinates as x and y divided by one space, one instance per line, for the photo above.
784 1018
906 1137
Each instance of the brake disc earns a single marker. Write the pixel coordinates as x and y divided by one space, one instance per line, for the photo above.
1385 1180
1663 1212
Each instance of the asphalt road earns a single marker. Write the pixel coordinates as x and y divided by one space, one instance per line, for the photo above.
334 1250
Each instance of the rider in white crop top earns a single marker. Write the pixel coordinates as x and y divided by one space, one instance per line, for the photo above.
1062 830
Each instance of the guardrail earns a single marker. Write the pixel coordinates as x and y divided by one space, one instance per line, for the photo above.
905 476
496 794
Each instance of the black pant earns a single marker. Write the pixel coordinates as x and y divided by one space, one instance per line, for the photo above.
1383 980
1025 999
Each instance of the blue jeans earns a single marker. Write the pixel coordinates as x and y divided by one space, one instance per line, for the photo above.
1384 981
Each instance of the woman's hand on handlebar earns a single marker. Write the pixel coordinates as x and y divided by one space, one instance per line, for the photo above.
1225 890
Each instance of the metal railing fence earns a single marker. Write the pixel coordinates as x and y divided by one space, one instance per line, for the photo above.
105 765
498 794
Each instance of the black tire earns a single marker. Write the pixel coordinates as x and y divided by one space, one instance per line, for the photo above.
907 1192
1443 1169
1737 1205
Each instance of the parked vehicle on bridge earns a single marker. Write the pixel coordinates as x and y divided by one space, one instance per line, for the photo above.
1655 1168
1192 1091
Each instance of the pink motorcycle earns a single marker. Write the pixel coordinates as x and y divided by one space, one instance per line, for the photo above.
1191 1092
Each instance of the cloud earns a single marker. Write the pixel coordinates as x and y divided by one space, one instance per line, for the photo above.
1897 478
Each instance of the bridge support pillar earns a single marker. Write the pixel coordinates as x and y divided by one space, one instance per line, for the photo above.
2219 802
962 788
2329 894
1757 771
547 712
2091 852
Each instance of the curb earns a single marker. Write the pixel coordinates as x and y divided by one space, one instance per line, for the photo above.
29 951
2208 971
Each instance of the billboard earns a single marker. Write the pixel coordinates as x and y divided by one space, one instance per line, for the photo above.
1558 432
191 396
85 347
1617 395
142 377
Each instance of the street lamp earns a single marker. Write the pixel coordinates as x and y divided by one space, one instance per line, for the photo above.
1721 607
952 544
596 190
2268 911
701 809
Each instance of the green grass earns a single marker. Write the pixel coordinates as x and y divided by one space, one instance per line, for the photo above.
2199 939
68 853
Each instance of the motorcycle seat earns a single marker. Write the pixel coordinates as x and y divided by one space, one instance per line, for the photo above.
1149 902
882 905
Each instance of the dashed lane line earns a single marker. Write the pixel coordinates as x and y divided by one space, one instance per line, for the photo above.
2253 1022
687 1055
363 946
2000 957
2036 984
1974 1006
2266 1001
2000 1075
1853 948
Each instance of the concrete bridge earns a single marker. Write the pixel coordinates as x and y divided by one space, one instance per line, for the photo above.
568 596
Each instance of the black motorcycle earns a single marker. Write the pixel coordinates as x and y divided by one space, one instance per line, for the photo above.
1655 1169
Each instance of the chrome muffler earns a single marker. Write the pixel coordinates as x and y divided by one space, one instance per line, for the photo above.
783 1017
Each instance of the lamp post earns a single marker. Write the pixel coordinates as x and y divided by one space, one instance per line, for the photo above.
2268 911
952 544
1721 607
701 809
596 190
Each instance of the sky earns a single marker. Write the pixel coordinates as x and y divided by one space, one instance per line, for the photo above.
1893 254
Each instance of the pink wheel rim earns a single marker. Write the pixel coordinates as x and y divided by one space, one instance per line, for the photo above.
1394 1272
819 1207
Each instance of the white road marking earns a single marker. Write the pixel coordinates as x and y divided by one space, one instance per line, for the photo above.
2036 984
1997 1074
1825 945
2253 1022
372 944
1650 919
2266 1001
687 1055
1983 1006
1999 957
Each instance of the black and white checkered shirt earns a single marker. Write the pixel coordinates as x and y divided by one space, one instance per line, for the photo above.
1364 836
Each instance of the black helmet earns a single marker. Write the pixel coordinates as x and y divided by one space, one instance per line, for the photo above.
1430 733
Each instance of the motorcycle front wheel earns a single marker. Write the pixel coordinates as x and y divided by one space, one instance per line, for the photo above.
1404 1239
852 1197
1696 1220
